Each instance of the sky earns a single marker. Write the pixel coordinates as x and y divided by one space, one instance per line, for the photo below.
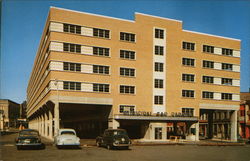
22 23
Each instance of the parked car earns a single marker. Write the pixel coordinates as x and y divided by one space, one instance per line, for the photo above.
28 138
114 138
66 137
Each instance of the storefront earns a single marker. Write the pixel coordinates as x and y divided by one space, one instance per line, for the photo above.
147 126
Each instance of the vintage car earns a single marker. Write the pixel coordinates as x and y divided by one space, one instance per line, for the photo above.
66 137
114 138
28 138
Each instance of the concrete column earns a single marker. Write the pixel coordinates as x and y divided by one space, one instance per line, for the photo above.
234 126
39 124
42 124
56 118
50 124
197 131
46 125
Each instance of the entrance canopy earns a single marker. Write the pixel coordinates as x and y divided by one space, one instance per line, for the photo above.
155 118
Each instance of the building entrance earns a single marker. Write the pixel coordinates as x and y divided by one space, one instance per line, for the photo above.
88 120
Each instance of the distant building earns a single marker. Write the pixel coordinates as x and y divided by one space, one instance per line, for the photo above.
9 113
148 76
244 115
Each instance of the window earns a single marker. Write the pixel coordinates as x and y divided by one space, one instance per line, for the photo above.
127 72
72 66
188 112
127 89
72 28
100 87
100 69
101 51
159 50
72 86
127 36
101 33
125 54
158 100
158 83
227 81
159 33
188 77
208 49
188 93
158 67
207 79
208 64
208 95
127 109
226 66
226 96
72 48
188 62
188 46
228 52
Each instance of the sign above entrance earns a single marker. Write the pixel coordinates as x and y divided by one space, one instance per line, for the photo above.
158 114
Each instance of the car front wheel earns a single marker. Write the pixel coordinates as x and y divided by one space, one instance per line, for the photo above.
109 147
18 147
98 144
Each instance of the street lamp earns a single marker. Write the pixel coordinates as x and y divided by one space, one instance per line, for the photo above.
56 108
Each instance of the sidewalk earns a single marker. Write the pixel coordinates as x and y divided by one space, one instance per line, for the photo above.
91 142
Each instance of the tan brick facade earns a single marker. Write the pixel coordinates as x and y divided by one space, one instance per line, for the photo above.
86 53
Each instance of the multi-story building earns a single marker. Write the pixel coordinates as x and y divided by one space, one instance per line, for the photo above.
9 113
244 115
148 76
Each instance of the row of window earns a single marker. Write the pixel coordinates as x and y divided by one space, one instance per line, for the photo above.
206 64
206 79
76 86
100 69
206 48
124 89
207 95
75 29
159 33
100 51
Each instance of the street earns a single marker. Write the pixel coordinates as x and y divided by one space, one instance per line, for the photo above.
136 153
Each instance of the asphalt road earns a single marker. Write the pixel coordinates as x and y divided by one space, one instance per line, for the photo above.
136 153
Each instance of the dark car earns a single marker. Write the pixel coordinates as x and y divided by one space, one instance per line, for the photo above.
114 138
28 138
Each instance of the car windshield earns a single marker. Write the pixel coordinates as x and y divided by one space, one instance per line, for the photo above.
28 133
120 132
67 133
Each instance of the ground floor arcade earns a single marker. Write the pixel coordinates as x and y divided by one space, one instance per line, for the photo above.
90 119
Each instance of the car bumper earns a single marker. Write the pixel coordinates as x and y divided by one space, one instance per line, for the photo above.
30 144
120 145
68 144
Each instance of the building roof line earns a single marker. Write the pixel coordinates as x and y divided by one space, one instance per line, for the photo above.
158 17
93 14
211 35
10 101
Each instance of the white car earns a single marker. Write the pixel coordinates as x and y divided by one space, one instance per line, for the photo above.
66 137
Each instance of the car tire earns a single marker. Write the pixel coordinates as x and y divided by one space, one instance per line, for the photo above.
98 144
109 147
19 148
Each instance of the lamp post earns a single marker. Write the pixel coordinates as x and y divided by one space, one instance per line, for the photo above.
56 109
